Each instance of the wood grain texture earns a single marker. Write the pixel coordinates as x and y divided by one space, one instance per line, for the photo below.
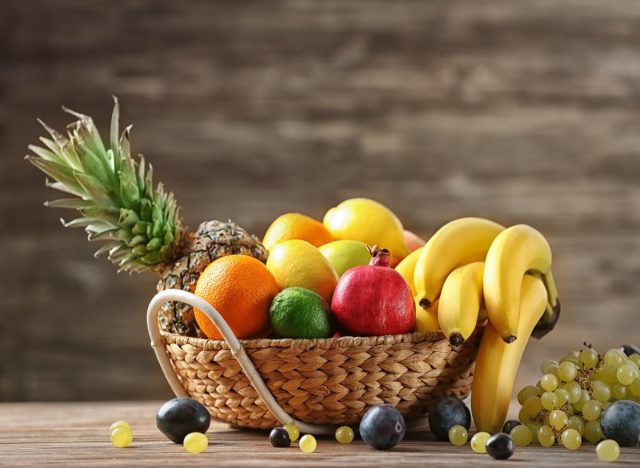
77 434
521 111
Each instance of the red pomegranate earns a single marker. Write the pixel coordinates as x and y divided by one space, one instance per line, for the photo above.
374 299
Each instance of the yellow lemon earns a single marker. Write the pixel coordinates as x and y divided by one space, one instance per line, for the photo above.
298 263
296 226
407 266
368 221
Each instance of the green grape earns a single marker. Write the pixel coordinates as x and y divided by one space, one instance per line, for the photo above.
479 442
533 427
592 431
601 391
567 371
526 392
634 388
620 392
532 406
558 419
626 374
588 358
562 396
549 382
458 435
571 439
576 422
607 374
523 416
614 357
549 400
121 436
344 435
548 366
308 443
546 436
521 435
293 431
635 358
195 442
608 450
574 390
571 357
117 424
583 399
631 363
591 410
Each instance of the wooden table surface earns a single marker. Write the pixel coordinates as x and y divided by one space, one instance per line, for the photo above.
77 434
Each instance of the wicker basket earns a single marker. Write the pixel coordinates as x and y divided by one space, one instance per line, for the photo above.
315 383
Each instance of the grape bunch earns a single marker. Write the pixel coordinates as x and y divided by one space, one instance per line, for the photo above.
568 402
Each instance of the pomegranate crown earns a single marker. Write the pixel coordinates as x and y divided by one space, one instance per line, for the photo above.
379 257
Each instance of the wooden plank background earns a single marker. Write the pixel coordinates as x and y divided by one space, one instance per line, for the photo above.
522 111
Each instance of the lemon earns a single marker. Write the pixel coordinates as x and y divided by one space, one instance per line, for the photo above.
300 313
298 263
368 221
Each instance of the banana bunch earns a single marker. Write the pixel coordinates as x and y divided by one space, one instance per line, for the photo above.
473 266
472 269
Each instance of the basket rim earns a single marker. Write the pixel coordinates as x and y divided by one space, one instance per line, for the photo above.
321 343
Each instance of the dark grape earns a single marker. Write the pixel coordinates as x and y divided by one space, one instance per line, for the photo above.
630 349
181 416
500 446
621 422
382 427
509 425
448 412
279 437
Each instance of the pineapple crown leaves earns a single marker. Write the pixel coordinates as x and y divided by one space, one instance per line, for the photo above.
113 193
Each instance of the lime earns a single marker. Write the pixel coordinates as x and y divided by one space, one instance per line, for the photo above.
300 313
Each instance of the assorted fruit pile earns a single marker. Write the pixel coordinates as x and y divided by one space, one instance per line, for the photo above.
358 272
307 279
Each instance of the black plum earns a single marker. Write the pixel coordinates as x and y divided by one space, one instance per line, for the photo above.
630 349
279 437
621 422
178 417
382 427
500 446
448 412
509 425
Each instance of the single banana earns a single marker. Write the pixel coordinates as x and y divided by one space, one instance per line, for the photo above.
460 302
497 362
427 319
462 241
516 251
407 266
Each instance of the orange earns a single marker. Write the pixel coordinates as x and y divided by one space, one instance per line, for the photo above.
241 288
296 226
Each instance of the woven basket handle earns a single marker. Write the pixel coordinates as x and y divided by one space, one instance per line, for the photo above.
237 350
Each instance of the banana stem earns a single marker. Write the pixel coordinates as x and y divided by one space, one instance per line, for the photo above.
552 291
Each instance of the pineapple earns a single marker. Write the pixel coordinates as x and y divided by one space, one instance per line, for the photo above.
140 225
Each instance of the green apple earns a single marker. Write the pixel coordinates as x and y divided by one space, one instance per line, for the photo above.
346 254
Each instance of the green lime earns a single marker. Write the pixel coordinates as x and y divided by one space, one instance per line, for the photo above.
300 313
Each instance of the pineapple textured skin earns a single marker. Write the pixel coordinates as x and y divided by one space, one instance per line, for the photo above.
212 240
